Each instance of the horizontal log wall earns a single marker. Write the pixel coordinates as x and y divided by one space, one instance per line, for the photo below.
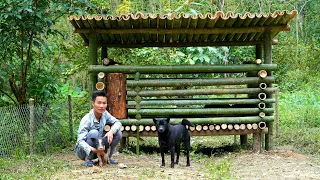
216 105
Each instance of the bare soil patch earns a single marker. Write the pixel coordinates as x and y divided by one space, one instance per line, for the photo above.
282 163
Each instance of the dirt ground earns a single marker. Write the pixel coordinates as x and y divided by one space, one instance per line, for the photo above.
282 163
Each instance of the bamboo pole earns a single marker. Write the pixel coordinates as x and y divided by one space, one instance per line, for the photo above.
262 96
153 128
224 126
192 128
147 128
268 60
217 127
197 82
262 114
256 142
93 54
198 127
277 112
166 112
101 76
258 61
205 127
133 128
262 125
141 128
236 126
100 86
202 133
254 126
262 73
183 30
249 126
263 86
127 128
230 126
217 120
107 128
242 126
181 69
211 127
184 92
138 115
261 105
171 102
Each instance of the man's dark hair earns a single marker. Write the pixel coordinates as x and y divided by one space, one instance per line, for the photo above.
97 93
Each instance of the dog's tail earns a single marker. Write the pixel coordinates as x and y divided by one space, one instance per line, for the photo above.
187 122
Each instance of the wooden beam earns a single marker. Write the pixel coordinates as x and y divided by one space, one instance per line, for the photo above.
185 30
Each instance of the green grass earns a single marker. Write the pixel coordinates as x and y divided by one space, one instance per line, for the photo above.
299 120
29 167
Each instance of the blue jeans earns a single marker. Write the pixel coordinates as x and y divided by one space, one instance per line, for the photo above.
94 134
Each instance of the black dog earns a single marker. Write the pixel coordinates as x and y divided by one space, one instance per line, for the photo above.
172 136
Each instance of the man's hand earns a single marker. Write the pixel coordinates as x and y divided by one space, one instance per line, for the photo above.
109 136
94 150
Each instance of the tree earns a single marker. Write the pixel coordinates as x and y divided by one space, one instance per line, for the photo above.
24 26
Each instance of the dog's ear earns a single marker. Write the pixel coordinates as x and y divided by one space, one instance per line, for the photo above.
168 119
155 120
93 140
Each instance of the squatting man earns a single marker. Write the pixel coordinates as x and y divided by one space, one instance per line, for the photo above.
92 126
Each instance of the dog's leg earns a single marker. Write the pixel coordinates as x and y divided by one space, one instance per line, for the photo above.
178 152
100 158
172 150
162 157
187 143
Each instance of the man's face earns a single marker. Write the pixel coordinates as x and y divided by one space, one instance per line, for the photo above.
100 104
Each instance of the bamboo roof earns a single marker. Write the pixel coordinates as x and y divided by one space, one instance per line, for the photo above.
181 30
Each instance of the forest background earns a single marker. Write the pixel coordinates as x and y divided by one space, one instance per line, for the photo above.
41 57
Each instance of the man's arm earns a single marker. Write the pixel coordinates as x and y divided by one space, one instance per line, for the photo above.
82 134
116 124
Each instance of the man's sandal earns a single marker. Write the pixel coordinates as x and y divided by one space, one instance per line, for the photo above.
111 161
88 163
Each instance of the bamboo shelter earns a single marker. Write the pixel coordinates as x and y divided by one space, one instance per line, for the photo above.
217 106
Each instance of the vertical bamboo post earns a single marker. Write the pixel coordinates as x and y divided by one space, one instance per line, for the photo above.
277 112
256 142
138 107
31 125
104 52
268 60
70 116
93 53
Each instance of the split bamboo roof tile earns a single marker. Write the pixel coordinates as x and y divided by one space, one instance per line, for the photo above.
181 30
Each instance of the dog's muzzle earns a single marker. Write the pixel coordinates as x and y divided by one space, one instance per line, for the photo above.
161 129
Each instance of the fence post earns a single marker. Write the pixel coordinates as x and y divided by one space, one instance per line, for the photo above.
31 125
70 116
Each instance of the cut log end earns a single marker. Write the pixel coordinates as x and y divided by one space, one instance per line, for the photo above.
100 86
262 73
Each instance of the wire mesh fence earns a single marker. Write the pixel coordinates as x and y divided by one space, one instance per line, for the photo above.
49 128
